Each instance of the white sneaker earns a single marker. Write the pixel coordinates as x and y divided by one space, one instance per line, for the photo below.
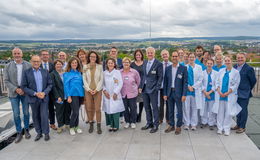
72 131
133 126
219 132
227 133
193 128
186 127
127 125
78 130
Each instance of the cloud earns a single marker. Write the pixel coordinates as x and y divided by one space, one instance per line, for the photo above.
57 19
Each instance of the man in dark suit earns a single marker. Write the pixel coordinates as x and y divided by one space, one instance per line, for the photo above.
46 64
150 85
37 84
175 91
247 83
113 54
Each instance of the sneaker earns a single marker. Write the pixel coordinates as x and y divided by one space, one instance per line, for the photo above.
127 125
219 132
59 130
72 131
227 133
186 127
78 130
133 126
193 128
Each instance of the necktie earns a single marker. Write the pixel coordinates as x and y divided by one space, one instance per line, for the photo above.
148 67
45 66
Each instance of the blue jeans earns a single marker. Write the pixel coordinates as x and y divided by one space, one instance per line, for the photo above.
15 102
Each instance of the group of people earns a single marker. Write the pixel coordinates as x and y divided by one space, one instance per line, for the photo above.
195 87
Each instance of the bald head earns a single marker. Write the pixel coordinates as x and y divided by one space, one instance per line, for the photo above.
36 61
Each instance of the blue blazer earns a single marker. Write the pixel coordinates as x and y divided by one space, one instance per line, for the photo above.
153 78
180 82
29 85
247 82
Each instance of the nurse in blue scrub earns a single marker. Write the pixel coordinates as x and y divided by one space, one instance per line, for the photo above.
193 101
219 62
226 104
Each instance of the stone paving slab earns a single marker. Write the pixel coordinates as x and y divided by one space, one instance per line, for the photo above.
135 144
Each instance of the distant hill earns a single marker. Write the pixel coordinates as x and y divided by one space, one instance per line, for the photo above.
101 41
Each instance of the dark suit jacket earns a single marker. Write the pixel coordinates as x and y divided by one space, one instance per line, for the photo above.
51 67
180 82
58 88
119 64
29 85
153 78
247 82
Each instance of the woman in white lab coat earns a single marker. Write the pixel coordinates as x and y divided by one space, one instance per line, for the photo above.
193 100
208 95
226 104
112 101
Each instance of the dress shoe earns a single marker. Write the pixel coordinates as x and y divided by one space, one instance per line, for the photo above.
154 129
27 134
211 128
235 128
169 129
52 126
147 127
115 129
38 137
178 131
240 130
18 138
46 137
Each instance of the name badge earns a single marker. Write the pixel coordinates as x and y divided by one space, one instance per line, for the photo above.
126 78
179 76
153 72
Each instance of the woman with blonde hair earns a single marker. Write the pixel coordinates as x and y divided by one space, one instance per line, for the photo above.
131 82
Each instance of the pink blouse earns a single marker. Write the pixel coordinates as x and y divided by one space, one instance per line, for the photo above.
131 82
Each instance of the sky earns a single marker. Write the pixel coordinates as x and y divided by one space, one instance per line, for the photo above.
127 19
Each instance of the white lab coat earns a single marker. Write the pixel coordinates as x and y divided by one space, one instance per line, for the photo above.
233 107
113 84
214 76
198 77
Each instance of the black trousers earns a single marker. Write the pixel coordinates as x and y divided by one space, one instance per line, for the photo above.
74 105
243 114
51 111
161 112
63 112
40 116
130 110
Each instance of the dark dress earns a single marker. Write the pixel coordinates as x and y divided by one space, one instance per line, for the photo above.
141 73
